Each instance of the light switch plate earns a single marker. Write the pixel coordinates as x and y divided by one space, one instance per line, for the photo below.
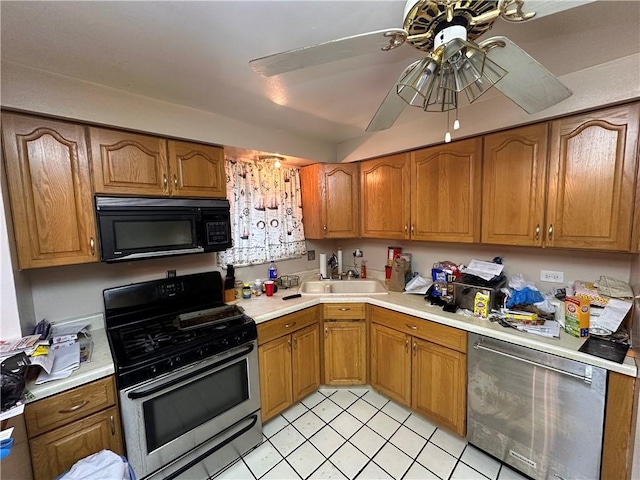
311 255
551 276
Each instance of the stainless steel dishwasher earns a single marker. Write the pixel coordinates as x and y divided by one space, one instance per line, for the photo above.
540 413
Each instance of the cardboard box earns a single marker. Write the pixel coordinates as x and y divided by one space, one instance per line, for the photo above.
577 316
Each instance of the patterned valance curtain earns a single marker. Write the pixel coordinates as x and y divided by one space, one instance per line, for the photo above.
266 213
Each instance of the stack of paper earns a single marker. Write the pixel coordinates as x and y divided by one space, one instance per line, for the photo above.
484 270
59 363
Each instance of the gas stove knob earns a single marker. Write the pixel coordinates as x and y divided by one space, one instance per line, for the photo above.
170 362
224 342
153 369
200 352
177 360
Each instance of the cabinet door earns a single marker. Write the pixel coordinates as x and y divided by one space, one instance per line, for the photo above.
306 361
330 200
439 380
128 163
340 198
196 170
384 197
50 191
445 192
56 451
345 353
274 360
391 363
592 169
513 186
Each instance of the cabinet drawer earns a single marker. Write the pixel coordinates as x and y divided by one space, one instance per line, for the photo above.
434 332
67 407
347 311
286 324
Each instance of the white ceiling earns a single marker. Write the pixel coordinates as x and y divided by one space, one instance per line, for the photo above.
197 54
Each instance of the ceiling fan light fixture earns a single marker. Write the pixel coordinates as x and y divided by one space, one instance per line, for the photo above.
492 74
418 83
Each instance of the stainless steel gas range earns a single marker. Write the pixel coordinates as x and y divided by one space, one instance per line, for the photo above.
187 375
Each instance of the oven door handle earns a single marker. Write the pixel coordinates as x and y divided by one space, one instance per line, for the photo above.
136 394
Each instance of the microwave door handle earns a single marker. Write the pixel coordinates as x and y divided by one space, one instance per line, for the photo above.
164 253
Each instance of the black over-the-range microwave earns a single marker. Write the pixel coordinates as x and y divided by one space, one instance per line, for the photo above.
131 228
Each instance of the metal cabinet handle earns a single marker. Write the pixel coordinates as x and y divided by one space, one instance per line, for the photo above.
289 343
92 246
175 181
550 236
586 378
415 348
112 422
406 228
74 408
324 227
344 309
164 181
412 327
538 232
326 332
412 229
289 325
406 345
295 343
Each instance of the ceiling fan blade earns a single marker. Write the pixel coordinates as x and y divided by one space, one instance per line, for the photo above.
528 84
389 110
328 52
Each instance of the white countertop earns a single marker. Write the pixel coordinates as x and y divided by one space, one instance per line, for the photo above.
100 366
264 308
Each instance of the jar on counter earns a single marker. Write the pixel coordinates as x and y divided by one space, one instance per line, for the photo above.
257 287
238 289
246 291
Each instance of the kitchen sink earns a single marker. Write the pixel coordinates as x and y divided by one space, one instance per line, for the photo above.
343 287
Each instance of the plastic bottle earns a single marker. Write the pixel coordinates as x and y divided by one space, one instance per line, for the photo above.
257 287
246 291
363 269
273 271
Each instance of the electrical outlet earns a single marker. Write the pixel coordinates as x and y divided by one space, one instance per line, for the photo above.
311 255
551 276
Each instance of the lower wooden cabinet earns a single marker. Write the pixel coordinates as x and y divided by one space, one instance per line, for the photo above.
439 384
393 378
345 344
420 364
73 425
289 360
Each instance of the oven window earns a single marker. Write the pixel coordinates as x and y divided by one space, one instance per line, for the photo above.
136 234
180 410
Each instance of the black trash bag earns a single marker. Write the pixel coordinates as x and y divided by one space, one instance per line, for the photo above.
12 377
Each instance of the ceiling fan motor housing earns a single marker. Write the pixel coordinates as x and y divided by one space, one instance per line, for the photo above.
428 19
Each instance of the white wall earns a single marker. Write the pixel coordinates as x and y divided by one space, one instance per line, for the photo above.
605 84
34 90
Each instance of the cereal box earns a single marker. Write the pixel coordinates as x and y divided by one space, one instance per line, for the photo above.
577 316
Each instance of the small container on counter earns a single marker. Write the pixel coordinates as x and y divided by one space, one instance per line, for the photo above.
238 289
257 287
246 291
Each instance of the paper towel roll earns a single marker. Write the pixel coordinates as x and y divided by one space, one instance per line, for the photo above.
340 261
323 265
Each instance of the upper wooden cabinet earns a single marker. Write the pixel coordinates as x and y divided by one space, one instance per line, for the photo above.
330 200
592 174
49 190
135 164
446 192
197 170
571 187
514 186
385 197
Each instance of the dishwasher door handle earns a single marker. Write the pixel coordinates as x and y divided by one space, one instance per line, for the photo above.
585 378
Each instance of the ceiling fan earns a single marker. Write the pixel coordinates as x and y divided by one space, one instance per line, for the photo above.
454 63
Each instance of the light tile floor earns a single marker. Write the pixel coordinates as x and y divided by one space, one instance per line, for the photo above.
357 433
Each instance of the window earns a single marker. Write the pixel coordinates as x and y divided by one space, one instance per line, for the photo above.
266 213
